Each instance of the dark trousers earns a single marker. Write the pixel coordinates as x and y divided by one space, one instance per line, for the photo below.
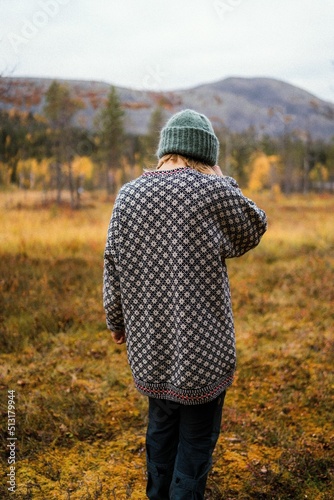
180 441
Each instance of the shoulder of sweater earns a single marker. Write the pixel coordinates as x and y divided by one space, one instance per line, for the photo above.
226 181
128 186
231 181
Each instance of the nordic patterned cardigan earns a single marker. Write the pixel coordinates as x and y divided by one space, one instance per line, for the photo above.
166 282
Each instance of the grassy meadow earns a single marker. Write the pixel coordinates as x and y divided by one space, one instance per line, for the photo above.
80 424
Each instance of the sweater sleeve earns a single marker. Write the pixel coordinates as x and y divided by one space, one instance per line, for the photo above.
243 222
111 280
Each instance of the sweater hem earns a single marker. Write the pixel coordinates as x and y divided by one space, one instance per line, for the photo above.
187 397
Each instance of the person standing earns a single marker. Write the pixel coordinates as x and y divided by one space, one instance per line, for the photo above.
167 296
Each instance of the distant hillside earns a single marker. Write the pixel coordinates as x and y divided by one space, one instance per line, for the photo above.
270 106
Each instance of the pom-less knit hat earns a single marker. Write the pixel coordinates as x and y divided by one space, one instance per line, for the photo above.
190 134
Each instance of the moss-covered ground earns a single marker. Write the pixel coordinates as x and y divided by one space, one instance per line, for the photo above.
80 424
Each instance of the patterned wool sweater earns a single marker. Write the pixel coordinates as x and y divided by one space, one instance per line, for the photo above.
166 282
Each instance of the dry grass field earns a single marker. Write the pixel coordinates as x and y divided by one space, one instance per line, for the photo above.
80 424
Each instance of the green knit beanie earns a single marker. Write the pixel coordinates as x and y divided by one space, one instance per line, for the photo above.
190 134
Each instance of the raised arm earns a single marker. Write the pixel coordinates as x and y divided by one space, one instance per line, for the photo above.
243 222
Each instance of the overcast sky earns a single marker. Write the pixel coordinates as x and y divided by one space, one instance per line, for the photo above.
170 44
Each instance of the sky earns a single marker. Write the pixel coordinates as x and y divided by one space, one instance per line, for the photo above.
170 44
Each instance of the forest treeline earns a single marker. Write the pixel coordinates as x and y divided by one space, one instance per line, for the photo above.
49 152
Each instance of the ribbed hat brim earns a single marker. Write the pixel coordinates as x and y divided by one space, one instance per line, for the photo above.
193 142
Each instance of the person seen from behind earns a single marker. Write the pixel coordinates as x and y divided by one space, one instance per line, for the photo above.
167 296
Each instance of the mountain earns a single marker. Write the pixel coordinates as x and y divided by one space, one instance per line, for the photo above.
269 106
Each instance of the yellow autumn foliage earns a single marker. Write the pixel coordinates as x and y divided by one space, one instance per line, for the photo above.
263 171
319 173
83 166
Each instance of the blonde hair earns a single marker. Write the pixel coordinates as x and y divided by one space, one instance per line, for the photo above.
189 162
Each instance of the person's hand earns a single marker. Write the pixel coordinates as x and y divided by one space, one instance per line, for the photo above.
217 170
118 337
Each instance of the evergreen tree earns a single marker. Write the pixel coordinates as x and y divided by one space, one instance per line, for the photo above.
111 137
60 109
151 140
